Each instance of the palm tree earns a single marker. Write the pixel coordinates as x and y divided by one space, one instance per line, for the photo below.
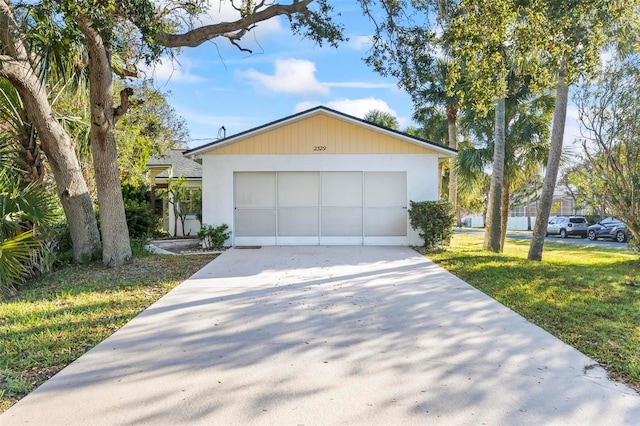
433 99
27 206
18 134
527 121
382 118
25 212
433 127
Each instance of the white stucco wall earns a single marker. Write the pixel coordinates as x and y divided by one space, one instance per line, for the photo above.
217 179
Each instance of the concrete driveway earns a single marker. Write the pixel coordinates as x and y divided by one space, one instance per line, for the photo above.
324 336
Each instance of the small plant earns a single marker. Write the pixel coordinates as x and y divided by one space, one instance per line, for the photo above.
434 220
140 246
213 236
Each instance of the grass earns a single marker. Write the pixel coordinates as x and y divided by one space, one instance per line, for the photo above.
588 297
58 317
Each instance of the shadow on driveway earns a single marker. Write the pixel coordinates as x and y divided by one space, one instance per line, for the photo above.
328 335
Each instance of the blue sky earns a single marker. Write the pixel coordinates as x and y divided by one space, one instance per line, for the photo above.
217 85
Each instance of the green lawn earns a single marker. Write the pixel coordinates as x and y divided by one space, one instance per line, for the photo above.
61 316
588 297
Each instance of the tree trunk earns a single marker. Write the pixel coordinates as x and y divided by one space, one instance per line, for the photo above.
17 66
528 213
31 155
493 229
452 113
504 212
553 164
116 247
70 183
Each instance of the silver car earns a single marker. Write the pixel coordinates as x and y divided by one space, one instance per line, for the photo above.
568 225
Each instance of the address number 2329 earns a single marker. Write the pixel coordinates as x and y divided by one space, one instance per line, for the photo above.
320 148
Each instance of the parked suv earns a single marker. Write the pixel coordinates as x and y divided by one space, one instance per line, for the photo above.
568 225
609 228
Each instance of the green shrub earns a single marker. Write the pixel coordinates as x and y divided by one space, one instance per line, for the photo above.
138 218
434 220
213 236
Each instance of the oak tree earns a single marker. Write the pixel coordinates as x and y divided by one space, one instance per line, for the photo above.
121 32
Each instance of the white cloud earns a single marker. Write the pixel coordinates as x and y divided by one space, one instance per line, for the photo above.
360 42
174 70
292 76
355 107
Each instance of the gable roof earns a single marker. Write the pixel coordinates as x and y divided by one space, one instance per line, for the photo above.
443 151
174 158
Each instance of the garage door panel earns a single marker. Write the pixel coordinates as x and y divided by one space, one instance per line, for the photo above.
299 189
342 189
298 221
255 222
385 202
255 190
385 222
342 221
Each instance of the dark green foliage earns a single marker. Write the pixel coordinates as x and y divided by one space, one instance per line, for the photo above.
137 207
138 193
317 24
61 241
138 218
434 220
213 236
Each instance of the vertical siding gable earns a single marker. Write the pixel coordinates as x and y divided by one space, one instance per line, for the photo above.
320 134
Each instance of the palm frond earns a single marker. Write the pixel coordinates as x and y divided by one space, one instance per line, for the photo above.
16 256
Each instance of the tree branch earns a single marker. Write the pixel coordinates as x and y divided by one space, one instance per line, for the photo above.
234 38
94 43
125 104
125 73
199 35
12 39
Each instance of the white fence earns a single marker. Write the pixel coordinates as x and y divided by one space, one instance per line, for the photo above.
519 223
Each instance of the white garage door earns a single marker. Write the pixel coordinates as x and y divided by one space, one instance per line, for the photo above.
309 208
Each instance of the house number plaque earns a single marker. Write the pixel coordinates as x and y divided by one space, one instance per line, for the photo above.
320 148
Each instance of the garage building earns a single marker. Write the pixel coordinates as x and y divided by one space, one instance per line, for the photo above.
319 177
